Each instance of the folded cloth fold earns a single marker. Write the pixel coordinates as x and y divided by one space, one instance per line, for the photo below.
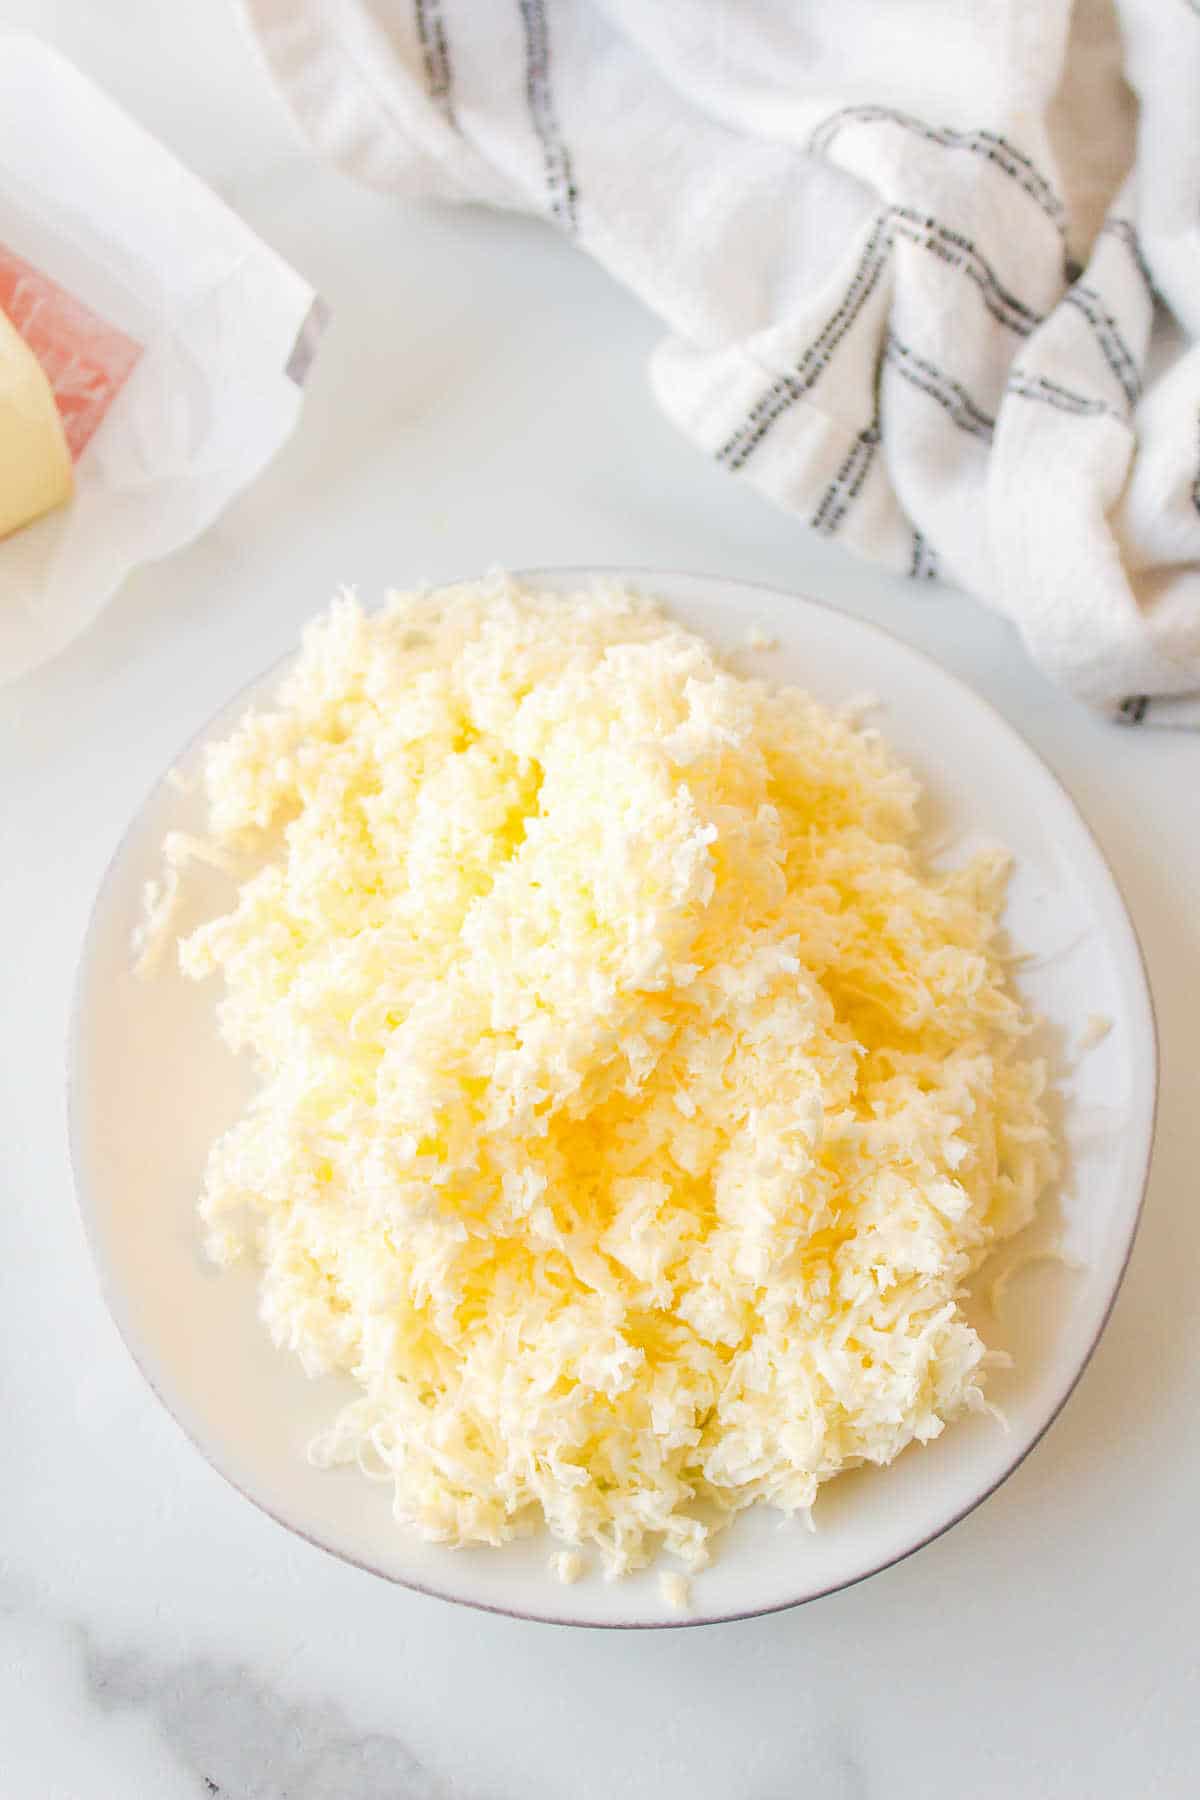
910 256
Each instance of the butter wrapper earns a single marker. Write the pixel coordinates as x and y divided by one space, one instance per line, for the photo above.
223 329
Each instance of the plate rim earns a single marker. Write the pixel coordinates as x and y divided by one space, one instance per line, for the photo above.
639 577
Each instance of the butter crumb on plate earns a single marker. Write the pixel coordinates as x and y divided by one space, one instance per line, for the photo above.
1028 1259
567 1566
1095 1031
675 1589
758 639
855 707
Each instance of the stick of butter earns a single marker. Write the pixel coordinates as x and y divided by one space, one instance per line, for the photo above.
35 463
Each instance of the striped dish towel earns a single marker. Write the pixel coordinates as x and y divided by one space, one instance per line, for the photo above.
909 255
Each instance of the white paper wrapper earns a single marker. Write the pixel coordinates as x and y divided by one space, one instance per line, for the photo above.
227 330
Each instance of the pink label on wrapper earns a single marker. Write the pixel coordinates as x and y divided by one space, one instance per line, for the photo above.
85 360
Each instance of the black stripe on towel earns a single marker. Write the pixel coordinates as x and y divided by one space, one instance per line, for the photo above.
960 253
431 35
847 484
850 479
787 389
950 395
1107 333
1126 231
1049 393
955 250
996 150
560 179
923 566
1133 710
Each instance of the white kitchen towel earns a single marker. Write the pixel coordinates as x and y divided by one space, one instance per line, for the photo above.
908 252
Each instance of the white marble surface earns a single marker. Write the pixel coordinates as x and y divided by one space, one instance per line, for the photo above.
481 398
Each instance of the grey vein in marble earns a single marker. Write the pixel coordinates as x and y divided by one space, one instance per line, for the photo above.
246 1742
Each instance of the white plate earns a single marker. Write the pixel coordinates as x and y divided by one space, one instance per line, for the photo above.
151 1086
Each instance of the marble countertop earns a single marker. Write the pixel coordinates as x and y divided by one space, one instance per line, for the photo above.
481 398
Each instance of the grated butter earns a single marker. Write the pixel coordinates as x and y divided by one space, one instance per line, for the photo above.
633 1107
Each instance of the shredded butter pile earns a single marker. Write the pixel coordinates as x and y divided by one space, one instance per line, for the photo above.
633 1106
